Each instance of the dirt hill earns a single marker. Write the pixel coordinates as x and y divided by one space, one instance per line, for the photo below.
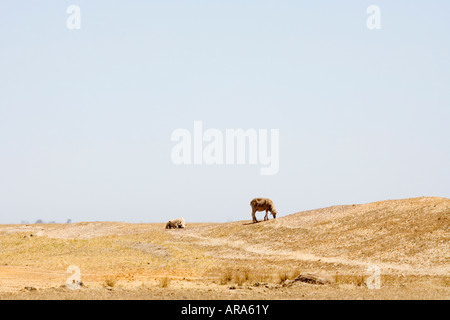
407 239
410 235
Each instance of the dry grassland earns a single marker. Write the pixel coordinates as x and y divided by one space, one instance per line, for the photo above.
408 240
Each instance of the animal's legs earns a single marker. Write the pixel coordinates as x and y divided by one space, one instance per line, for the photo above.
266 217
253 215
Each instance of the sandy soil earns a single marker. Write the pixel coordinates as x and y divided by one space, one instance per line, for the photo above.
407 240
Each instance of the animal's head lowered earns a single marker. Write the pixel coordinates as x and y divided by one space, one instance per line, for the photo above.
274 213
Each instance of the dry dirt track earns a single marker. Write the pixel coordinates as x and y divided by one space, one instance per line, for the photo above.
407 239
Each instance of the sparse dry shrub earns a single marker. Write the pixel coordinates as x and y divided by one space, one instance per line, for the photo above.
242 276
353 279
164 282
258 277
110 283
226 276
284 275
238 277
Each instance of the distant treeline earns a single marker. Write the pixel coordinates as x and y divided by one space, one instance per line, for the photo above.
42 221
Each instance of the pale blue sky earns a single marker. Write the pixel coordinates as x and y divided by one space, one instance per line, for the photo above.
86 115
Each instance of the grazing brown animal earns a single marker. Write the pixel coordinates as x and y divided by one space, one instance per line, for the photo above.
176 223
263 204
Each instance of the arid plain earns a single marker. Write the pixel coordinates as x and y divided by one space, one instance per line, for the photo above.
407 241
